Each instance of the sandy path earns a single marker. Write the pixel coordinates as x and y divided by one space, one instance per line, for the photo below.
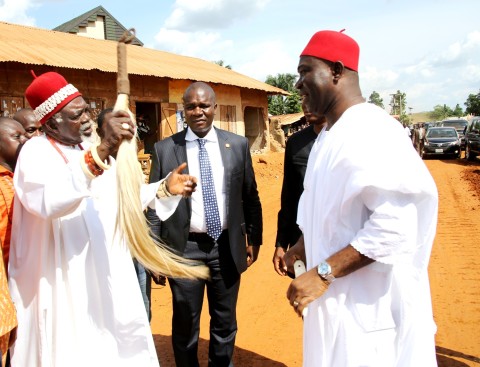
455 265
270 334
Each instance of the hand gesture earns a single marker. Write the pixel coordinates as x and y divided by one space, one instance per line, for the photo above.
181 184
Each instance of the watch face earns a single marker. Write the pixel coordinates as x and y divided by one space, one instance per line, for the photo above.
323 269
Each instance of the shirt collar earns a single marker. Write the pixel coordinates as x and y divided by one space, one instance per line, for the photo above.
211 135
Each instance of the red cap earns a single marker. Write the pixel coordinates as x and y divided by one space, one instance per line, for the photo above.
48 94
334 46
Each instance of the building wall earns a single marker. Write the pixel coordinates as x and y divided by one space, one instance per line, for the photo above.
93 84
226 95
99 89
176 89
95 29
250 106
148 89
255 109
15 77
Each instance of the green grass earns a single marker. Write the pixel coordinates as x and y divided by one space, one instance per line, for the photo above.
420 117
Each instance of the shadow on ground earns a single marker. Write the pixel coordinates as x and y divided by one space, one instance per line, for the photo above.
241 357
444 358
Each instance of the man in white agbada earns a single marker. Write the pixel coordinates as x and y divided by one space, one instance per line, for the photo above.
71 276
368 215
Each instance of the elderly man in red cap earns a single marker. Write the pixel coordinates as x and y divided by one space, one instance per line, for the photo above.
71 275
368 221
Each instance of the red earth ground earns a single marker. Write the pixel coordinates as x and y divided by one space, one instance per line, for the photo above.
270 333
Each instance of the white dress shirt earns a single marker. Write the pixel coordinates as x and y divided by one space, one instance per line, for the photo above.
197 222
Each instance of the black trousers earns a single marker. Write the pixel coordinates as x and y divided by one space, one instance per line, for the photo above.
222 294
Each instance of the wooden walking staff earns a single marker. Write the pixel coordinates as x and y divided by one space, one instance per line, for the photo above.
123 84
131 222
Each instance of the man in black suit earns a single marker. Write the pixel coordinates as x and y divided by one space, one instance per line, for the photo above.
297 151
229 249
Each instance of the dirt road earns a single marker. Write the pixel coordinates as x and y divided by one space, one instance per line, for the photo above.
270 334
455 263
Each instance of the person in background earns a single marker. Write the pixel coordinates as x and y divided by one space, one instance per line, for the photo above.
104 114
27 118
295 163
368 223
221 226
406 128
8 317
146 133
12 138
421 137
142 126
71 273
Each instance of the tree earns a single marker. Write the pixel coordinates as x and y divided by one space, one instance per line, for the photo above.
279 104
441 112
458 111
375 99
473 104
222 63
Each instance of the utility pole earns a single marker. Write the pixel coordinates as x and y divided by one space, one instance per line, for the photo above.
400 105
394 103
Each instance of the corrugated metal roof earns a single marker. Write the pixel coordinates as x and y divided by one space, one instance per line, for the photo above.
29 45
288 119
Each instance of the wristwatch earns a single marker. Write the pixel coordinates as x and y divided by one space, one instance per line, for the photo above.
325 272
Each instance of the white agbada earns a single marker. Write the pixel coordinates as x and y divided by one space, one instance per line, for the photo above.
366 186
74 285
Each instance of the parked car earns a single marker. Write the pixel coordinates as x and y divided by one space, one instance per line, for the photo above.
428 125
459 125
441 141
472 139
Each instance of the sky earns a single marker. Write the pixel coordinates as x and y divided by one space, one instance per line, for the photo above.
427 49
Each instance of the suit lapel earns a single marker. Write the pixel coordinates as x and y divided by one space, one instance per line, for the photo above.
227 158
180 149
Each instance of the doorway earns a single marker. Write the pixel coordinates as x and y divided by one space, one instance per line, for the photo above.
255 128
147 122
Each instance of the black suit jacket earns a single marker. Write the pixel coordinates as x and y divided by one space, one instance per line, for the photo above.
243 207
296 156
